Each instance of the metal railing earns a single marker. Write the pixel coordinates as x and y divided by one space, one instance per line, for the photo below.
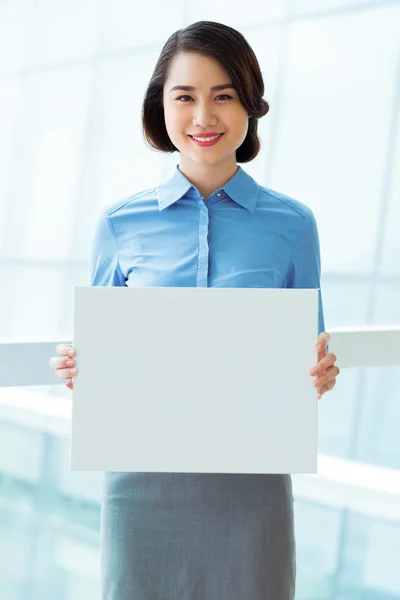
25 362
367 489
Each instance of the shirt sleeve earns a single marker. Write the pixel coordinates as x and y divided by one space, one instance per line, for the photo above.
305 263
104 267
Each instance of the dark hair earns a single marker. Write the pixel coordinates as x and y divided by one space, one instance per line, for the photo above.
234 53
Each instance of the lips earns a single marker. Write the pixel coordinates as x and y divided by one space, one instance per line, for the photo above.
205 135
205 143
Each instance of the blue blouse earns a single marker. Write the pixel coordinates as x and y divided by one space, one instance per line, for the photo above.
243 235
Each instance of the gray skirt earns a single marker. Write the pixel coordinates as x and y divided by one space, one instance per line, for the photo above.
187 536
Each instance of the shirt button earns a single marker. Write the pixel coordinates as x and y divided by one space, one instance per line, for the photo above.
219 195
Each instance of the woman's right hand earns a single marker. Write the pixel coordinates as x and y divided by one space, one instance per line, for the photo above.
62 366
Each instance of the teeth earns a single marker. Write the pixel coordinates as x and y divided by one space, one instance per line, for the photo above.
208 139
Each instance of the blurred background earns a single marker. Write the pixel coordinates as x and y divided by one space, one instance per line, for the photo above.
72 78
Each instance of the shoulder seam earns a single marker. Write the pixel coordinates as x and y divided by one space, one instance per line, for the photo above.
296 241
111 226
278 197
111 210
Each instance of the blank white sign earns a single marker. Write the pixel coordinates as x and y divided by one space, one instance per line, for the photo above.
195 380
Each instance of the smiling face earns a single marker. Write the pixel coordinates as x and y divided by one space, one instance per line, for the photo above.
193 108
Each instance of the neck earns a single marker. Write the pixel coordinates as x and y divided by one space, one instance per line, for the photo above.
208 178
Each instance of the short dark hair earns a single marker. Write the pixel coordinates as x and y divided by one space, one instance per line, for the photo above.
231 49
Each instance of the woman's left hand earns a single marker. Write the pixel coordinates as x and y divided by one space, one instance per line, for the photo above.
325 369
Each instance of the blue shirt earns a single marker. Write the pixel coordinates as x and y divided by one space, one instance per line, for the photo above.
243 235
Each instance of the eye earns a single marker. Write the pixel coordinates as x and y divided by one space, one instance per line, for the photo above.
223 96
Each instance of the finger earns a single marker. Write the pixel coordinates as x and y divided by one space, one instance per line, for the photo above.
331 374
326 388
318 374
69 384
325 363
323 341
66 373
65 350
56 362
330 385
322 353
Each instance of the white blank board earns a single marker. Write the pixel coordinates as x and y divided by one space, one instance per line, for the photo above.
195 380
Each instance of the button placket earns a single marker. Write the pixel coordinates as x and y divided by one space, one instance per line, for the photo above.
202 270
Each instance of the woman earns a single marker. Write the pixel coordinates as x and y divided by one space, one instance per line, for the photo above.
186 536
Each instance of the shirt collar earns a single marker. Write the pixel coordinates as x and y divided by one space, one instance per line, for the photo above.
241 188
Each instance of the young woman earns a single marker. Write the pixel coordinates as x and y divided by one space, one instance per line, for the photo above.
174 536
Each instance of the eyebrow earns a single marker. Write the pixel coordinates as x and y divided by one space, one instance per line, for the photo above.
216 88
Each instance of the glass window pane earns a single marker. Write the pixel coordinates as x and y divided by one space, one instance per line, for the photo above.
381 565
327 141
387 303
336 414
15 544
21 449
118 163
369 554
33 306
268 49
127 25
391 249
42 205
10 98
378 423
238 15
371 435
50 523
40 300
58 511
65 30
71 142
76 274
345 301
316 554
16 20
301 7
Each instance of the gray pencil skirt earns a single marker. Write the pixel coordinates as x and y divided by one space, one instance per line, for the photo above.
187 536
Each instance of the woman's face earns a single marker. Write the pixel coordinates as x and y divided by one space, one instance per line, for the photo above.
202 110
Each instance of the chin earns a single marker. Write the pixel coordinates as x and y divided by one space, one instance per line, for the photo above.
207 160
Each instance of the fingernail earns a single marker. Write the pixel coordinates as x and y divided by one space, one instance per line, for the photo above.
71 353
313 371
69 363
72 371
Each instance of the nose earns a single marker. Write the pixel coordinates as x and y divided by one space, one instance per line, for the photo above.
204 115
